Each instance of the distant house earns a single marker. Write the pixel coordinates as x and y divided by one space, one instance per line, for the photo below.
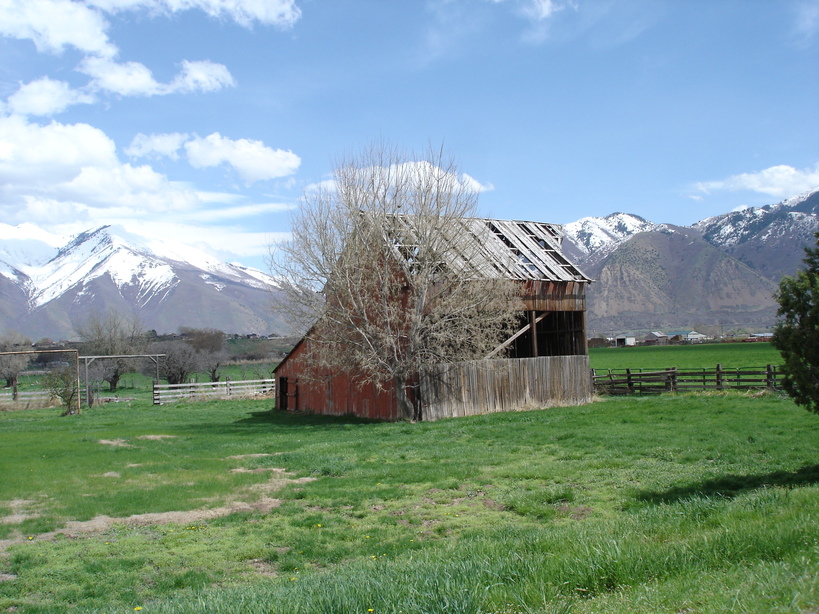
686 336
656 338
622 341
545 362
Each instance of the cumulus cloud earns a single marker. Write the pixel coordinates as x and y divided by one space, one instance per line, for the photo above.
135 79
201 77
54 25
252 159
46 97
74 167
56 151
144 145
781 181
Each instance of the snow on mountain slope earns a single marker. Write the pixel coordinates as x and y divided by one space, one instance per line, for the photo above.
94 254
591 239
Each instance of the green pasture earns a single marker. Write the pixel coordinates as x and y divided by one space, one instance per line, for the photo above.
689 503
696 356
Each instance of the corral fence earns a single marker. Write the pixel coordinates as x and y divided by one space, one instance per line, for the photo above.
23 397
168 393
640 381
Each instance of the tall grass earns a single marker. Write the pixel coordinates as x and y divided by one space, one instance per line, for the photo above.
700 503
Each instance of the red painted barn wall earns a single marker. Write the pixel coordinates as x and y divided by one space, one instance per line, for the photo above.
337 395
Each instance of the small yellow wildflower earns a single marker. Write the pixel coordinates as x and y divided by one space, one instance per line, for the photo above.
139 607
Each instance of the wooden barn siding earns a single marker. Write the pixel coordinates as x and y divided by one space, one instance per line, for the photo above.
481 387
540 295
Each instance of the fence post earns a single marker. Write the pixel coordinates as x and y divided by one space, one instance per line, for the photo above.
629 381
674 379
154 393
769 377
227 385
719 376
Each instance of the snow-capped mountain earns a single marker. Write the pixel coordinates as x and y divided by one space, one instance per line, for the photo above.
769 239
720 271
47 289
589 240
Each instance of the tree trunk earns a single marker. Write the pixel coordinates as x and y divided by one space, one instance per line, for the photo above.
405 406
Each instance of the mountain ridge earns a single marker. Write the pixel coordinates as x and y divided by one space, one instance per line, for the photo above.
742 255
165 285
721 271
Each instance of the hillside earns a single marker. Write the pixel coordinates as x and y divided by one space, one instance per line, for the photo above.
720 272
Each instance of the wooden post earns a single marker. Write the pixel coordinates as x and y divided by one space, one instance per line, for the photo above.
769 377
719 376
674 379
227 385
533 333
629 381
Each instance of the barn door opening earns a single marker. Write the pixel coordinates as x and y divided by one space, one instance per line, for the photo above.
288 394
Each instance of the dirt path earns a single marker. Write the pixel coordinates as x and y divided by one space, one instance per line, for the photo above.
260 502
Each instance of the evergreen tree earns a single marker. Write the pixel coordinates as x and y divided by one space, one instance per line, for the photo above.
796 334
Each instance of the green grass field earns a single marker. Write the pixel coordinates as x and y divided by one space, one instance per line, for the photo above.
690 503
705 355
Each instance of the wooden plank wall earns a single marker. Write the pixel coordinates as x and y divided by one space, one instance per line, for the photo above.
485 386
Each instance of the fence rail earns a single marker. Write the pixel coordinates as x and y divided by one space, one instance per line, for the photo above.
168 393
26 396
639 381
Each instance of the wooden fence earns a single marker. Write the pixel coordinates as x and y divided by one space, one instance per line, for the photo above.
486 386
639 381
22 397
167 393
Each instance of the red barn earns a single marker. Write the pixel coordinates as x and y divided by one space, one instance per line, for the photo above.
545 362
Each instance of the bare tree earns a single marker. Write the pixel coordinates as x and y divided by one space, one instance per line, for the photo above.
111 334
209 344
11 365
181 359
382 270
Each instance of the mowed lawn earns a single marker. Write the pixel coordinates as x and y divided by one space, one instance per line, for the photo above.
690 503
696 356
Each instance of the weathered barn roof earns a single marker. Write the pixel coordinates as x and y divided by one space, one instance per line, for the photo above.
508 248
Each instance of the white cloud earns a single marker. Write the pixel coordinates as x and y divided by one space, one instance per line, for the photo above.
137 187
50 153
144 145
47 172
135 79
281 13
127 78
56 24
781 181
46 97
252 159
201 76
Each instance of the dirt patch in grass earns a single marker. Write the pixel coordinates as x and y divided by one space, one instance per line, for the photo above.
157 437
117 443
19 512
260 455
262 504
258 470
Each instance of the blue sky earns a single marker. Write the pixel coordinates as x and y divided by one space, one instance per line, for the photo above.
203 121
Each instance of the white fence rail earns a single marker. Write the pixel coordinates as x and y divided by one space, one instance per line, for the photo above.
168 393
26 396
